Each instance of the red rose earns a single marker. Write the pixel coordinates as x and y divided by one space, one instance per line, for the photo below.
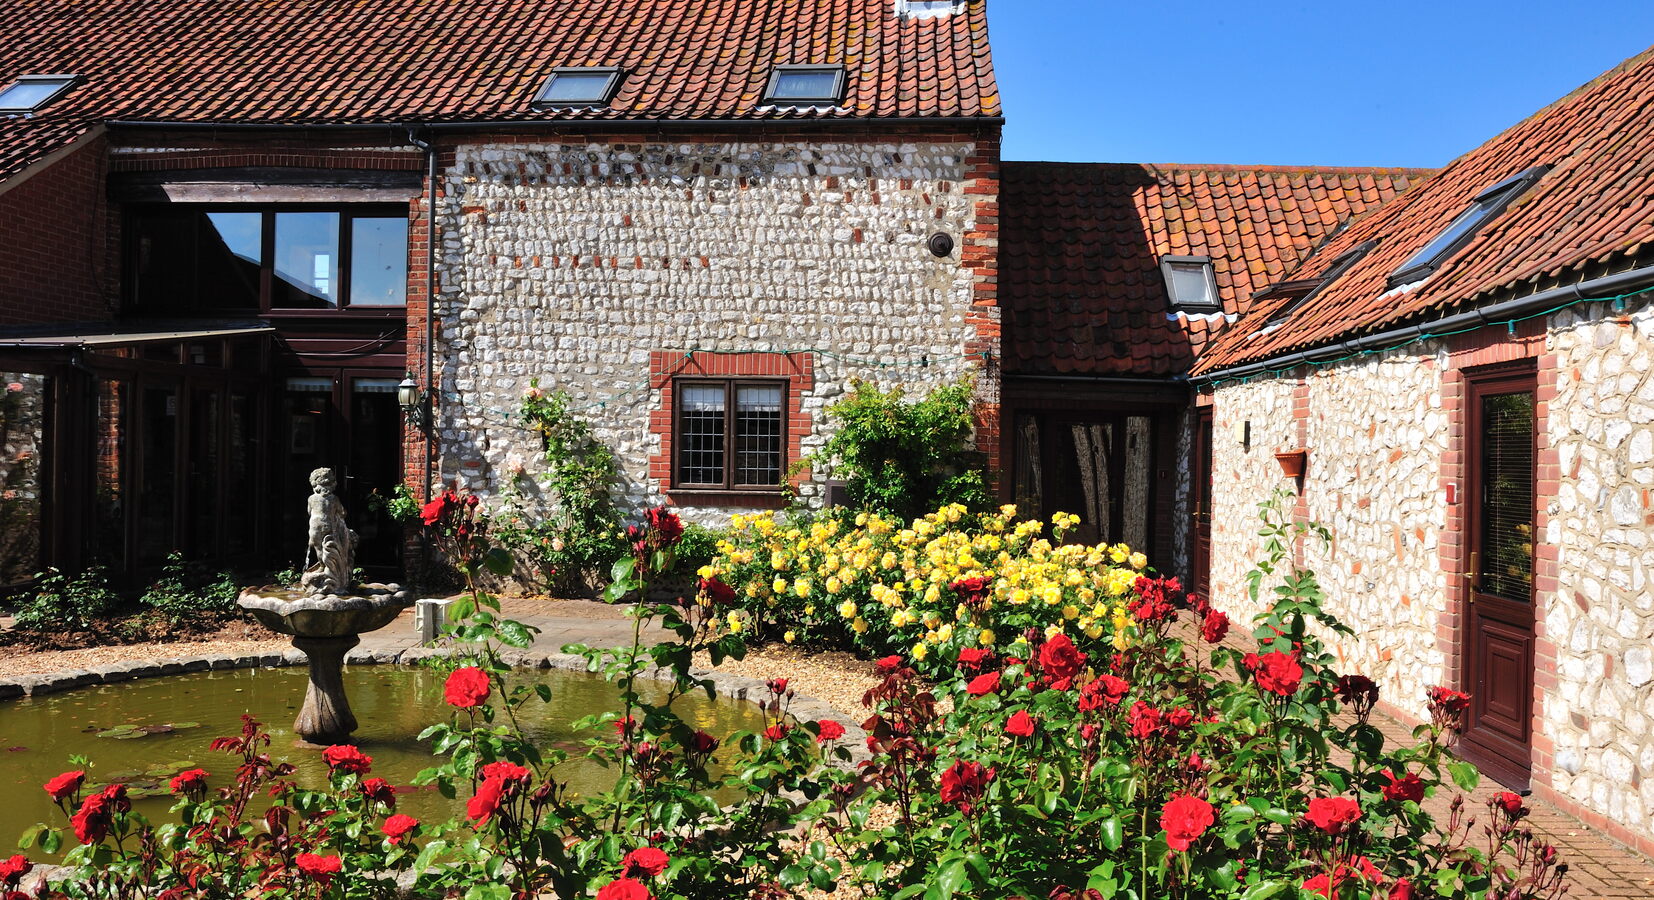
1511 804
66 785
972 591
651 861
1357 690
1401 890
717 592
701 742
321 868
467 687
1332 814
983 684
624 889
1448 700
964 783
92 822
830 731
13 870
509 772
1407 787
1279 673
1180 717
972 659
775 732
398 826
1021 724
115 795
777 686
889 664
1060 659
486 802
665 524
1185 818
1214 627
1107 689
1324 886
378 790
343 759
1144 720
431 513
192 782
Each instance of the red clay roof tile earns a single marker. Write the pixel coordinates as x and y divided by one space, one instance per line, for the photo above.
1080 250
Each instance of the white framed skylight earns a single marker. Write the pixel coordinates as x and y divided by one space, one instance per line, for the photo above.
28 93
1483 207
928 9
805 86
579 86
1190 283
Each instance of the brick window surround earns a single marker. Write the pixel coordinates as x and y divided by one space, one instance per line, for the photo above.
667 367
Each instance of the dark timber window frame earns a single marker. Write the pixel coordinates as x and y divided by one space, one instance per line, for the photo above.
731 388
1339 267
610 88
833 99
1484 208
348 213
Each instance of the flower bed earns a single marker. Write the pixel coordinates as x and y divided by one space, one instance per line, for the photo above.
1121 764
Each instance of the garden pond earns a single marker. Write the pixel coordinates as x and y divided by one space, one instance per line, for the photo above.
144 732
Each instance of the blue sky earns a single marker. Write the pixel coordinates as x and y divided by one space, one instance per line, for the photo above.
1392 82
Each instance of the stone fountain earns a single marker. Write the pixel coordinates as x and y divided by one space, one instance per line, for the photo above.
326 614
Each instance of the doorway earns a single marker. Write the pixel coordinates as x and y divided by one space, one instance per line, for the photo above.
348 421
1099 466
1497 659
1200 501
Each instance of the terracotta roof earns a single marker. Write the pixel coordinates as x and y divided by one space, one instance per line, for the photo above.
1597 203
1080 249
329 61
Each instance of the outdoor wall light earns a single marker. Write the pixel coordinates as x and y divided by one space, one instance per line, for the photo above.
412 401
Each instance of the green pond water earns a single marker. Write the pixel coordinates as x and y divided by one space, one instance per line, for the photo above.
143 732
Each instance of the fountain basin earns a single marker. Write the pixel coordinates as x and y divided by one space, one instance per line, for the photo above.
300 614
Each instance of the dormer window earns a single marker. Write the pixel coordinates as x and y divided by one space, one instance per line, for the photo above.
1190 284
30 92
1483 207
805 86
1334 272
579 86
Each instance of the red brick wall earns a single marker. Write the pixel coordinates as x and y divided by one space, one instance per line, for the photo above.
57 259
980 253
797 368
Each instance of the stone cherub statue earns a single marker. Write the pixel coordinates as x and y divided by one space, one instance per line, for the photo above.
331 545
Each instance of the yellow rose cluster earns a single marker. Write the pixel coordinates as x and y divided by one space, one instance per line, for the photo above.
888 586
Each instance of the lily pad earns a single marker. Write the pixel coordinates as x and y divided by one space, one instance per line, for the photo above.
180 726
129 731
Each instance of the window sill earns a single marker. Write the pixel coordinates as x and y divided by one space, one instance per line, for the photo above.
768 499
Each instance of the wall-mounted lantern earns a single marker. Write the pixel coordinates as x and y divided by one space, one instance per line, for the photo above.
412 401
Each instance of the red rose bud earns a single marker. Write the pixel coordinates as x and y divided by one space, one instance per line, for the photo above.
1215 626
1185 819
777 686
1510 804
1332 814
467 687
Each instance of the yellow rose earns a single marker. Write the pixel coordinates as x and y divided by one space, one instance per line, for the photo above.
847 609
1138 560
735 623
789 637
986 638
779 586
1071 611
810 609
945 633
859 625
1019 596
920 651
802 587
833 585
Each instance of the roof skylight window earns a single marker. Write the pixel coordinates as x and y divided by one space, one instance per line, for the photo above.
1190 284
805 86
579 86
1334 272
1483 207
31 92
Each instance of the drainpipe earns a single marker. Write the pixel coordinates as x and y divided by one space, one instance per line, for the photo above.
1504 311
430 300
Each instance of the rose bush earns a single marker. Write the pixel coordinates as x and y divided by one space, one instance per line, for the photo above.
1144 765
931 588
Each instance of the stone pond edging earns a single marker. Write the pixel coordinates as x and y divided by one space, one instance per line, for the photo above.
726 684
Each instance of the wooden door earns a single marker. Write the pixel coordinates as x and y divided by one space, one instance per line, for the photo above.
1201 500
1497 656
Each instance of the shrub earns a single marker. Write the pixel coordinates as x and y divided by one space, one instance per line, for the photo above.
905 458
188 590
59 602
929 588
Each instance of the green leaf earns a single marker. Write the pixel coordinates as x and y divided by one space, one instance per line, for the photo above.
516 634
952 878
623 569
1465 775
498 561
1112 833
1265 889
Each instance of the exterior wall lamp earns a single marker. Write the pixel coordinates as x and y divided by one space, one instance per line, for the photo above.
412 400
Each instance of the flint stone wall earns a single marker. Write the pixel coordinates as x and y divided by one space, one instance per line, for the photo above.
571 262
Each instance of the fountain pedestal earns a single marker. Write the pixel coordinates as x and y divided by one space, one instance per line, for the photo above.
326 718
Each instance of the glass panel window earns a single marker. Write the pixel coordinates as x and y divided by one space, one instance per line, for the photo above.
578 87
1507 496
23 401
307 260
32 92
758 446
1189 281
807 84
379 262
701 434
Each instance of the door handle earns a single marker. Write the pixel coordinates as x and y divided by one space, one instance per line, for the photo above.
1471 576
